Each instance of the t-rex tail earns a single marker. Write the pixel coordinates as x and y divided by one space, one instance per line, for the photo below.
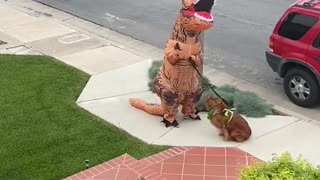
153 109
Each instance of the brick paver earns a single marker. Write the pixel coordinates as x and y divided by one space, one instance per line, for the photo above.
178 163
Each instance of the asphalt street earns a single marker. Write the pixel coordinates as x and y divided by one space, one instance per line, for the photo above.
236 44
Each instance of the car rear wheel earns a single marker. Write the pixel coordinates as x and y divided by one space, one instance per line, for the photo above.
301 87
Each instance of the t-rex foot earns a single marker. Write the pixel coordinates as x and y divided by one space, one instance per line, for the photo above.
193 118
168 123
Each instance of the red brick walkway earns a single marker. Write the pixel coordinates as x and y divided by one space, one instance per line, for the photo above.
179 163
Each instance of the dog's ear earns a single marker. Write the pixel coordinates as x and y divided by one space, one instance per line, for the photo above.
209 101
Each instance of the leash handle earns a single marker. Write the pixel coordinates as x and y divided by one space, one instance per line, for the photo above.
194 66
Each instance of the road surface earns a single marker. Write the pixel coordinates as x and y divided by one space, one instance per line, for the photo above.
235 45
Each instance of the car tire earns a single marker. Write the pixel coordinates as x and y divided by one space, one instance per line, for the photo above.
302 81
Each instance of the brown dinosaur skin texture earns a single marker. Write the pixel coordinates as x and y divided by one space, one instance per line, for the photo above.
177 82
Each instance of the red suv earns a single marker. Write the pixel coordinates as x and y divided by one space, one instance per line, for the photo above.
295 52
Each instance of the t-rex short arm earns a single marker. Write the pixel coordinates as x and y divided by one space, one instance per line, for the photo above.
172 52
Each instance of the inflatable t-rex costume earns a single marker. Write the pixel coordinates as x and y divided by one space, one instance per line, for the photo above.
177 82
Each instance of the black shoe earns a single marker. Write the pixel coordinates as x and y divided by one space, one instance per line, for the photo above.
168 124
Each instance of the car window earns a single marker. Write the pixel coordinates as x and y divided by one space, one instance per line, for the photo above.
316 42
296 25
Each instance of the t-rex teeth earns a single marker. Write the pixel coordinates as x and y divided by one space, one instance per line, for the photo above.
195 1
204 18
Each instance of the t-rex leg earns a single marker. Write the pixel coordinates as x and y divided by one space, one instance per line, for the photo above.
189 104
169 100
170 106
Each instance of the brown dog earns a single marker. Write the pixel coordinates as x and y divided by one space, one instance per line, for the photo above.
233 127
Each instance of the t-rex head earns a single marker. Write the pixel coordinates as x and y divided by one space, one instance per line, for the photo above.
196 15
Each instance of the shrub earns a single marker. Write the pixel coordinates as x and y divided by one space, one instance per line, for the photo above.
282 167
251 105
246 103
226 95
152 73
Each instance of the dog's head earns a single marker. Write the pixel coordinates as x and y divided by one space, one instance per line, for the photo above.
214 102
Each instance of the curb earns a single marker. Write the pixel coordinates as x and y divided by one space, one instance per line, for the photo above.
286 112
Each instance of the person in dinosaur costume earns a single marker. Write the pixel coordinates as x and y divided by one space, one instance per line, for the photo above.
177 82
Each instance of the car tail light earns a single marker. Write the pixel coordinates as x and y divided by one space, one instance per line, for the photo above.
271 39
271 44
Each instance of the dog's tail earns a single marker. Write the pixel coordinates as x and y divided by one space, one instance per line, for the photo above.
153 109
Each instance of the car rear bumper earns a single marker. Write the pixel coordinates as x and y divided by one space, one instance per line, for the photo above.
274 61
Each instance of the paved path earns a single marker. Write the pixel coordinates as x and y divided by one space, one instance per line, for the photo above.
178 163
118 66
107 95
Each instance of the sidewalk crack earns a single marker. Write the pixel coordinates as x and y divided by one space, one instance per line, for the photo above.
270 132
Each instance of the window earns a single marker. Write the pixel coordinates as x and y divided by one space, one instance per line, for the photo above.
316 42
296 25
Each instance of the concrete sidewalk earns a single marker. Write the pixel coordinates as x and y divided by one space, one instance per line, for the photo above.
119 64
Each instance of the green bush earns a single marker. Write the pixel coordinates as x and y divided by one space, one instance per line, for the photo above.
251 105
246 103
153 72
228 96
282 167
206 84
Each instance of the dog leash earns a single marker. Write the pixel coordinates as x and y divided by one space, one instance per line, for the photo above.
194 66
228 112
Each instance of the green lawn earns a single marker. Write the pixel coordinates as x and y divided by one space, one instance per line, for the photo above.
44 134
